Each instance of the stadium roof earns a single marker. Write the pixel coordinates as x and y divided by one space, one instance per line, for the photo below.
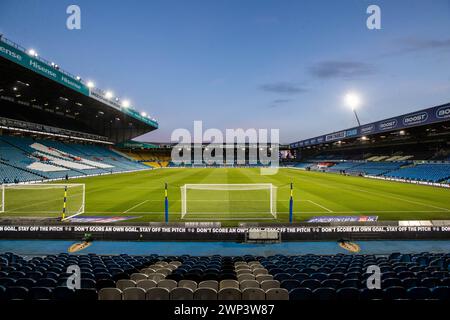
31 81
410 120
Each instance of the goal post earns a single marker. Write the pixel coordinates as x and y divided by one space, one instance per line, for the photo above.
42 200
252 201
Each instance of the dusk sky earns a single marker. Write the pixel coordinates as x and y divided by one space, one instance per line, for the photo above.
248 63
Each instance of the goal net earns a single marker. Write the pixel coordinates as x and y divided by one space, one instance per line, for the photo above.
42 200
228 201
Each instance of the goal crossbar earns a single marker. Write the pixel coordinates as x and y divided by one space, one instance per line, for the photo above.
230 187
37 198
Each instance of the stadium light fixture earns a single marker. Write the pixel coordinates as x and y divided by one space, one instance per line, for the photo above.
78 78
90 84
353 101
144 114
32 53
125 103
109 95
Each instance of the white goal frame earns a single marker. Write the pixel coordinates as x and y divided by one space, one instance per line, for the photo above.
46 186
228 187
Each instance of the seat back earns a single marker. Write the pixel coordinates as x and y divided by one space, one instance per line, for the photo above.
133 294
158 293
277 294
205 293
110 294
229 293
253 294
180 293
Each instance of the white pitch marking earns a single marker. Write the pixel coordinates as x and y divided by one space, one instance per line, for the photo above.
134 207
325 208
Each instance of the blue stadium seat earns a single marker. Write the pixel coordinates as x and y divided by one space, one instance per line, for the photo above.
301 294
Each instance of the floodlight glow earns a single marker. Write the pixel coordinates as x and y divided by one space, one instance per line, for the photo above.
144 114
109 95
32 52
352 100
125 103
90 84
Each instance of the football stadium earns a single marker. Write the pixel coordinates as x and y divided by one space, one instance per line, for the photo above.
94 207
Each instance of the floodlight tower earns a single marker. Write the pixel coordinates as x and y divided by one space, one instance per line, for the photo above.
353 101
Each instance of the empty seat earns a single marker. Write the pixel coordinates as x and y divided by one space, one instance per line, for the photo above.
146 284
181 294
248 284
253 294
259 271
138 276
188 284
290 284
269 284
324 293
247 276
301 294
393 293
418 293
164 271
347 293
229 293
205 293
17 293
168 284
110 294
228 284
277 294
262 277
158 293
40 293
124 284
156 276
213 284
148 271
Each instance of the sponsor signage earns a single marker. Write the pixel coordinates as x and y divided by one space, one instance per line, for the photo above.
388 125
106 219
212 233
327 219
18 56
443 113
419 118
415 119
14 54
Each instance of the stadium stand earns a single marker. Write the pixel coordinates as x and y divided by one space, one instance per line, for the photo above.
278 277
24 159
430 172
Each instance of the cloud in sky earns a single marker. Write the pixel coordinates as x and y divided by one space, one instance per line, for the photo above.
340 69
279 102
415 44
283 88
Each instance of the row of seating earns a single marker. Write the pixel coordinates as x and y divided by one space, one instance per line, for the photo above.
26 159
403 276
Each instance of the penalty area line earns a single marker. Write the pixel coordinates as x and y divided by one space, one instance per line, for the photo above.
134 207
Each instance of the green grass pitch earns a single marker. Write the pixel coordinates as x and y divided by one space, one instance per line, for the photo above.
141 195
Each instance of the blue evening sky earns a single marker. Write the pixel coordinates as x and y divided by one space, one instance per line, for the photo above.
248 63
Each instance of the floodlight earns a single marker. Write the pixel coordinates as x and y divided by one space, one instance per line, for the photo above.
90 84
125 103
32 52
109 95
352 100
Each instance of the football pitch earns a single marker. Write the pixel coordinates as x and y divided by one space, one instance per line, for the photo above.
140 196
